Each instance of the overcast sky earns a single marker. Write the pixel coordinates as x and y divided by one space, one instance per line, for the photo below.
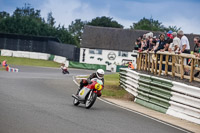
180 13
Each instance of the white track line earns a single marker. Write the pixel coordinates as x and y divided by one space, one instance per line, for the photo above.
163 122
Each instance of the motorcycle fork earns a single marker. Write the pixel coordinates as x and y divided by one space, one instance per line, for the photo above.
90 94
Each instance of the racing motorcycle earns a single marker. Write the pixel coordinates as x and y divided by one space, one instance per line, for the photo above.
65 71
88 94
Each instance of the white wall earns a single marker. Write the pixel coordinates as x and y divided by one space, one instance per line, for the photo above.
104 56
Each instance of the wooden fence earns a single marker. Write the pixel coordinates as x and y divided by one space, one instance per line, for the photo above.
169 64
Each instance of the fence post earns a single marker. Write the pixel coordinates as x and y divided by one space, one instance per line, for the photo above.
182 68
173 65
149 61
160 65
192 70
152 66
140 61
146 57
166 64
156 64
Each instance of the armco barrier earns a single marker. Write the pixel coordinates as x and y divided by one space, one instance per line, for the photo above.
173 98
24 54
59 59
21 54
6 53
86 66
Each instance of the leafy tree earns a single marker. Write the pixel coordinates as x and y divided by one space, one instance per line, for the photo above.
65 36
28 21
28 12
148 24
105 22
76 29
50 20
152 25
173 28
4 15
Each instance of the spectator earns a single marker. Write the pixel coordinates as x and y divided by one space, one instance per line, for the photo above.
152 44
4 63
161 43
138 43
184 44
174 46
197 53
184 47
196 47
169 34
148 37
144 43
168 42
145 40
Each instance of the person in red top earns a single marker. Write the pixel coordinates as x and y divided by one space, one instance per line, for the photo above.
4 63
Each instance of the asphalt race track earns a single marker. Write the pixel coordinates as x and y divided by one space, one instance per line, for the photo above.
38 100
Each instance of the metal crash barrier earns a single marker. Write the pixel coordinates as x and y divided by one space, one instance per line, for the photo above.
173 98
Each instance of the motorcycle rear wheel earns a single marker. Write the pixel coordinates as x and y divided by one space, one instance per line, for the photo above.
76 102
90 100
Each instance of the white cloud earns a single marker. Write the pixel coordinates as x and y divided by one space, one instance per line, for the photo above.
66 11
187 25
125 22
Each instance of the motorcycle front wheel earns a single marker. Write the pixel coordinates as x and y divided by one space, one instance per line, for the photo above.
90 100
76 102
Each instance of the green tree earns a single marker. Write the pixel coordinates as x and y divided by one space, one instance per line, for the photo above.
4 14
50 20
152 25
65 37
148 24
28 12
76 29
105 22
28 21
173 28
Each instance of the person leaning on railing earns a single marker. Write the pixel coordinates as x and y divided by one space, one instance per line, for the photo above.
184 48
138 43
184 44
161 46
197 53
174 46
196 47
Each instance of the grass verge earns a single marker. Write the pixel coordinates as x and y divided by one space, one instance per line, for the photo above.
28 62
112 88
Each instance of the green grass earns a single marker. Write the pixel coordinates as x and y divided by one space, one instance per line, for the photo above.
112 88
28 62
1 68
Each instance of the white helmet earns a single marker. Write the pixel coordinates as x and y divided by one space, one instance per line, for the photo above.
100 73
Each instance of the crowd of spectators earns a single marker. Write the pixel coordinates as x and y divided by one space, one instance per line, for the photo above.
175 42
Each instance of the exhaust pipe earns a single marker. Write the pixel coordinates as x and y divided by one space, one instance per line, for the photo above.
74 96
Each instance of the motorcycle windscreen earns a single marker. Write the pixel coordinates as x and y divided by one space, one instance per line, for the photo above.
83 92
